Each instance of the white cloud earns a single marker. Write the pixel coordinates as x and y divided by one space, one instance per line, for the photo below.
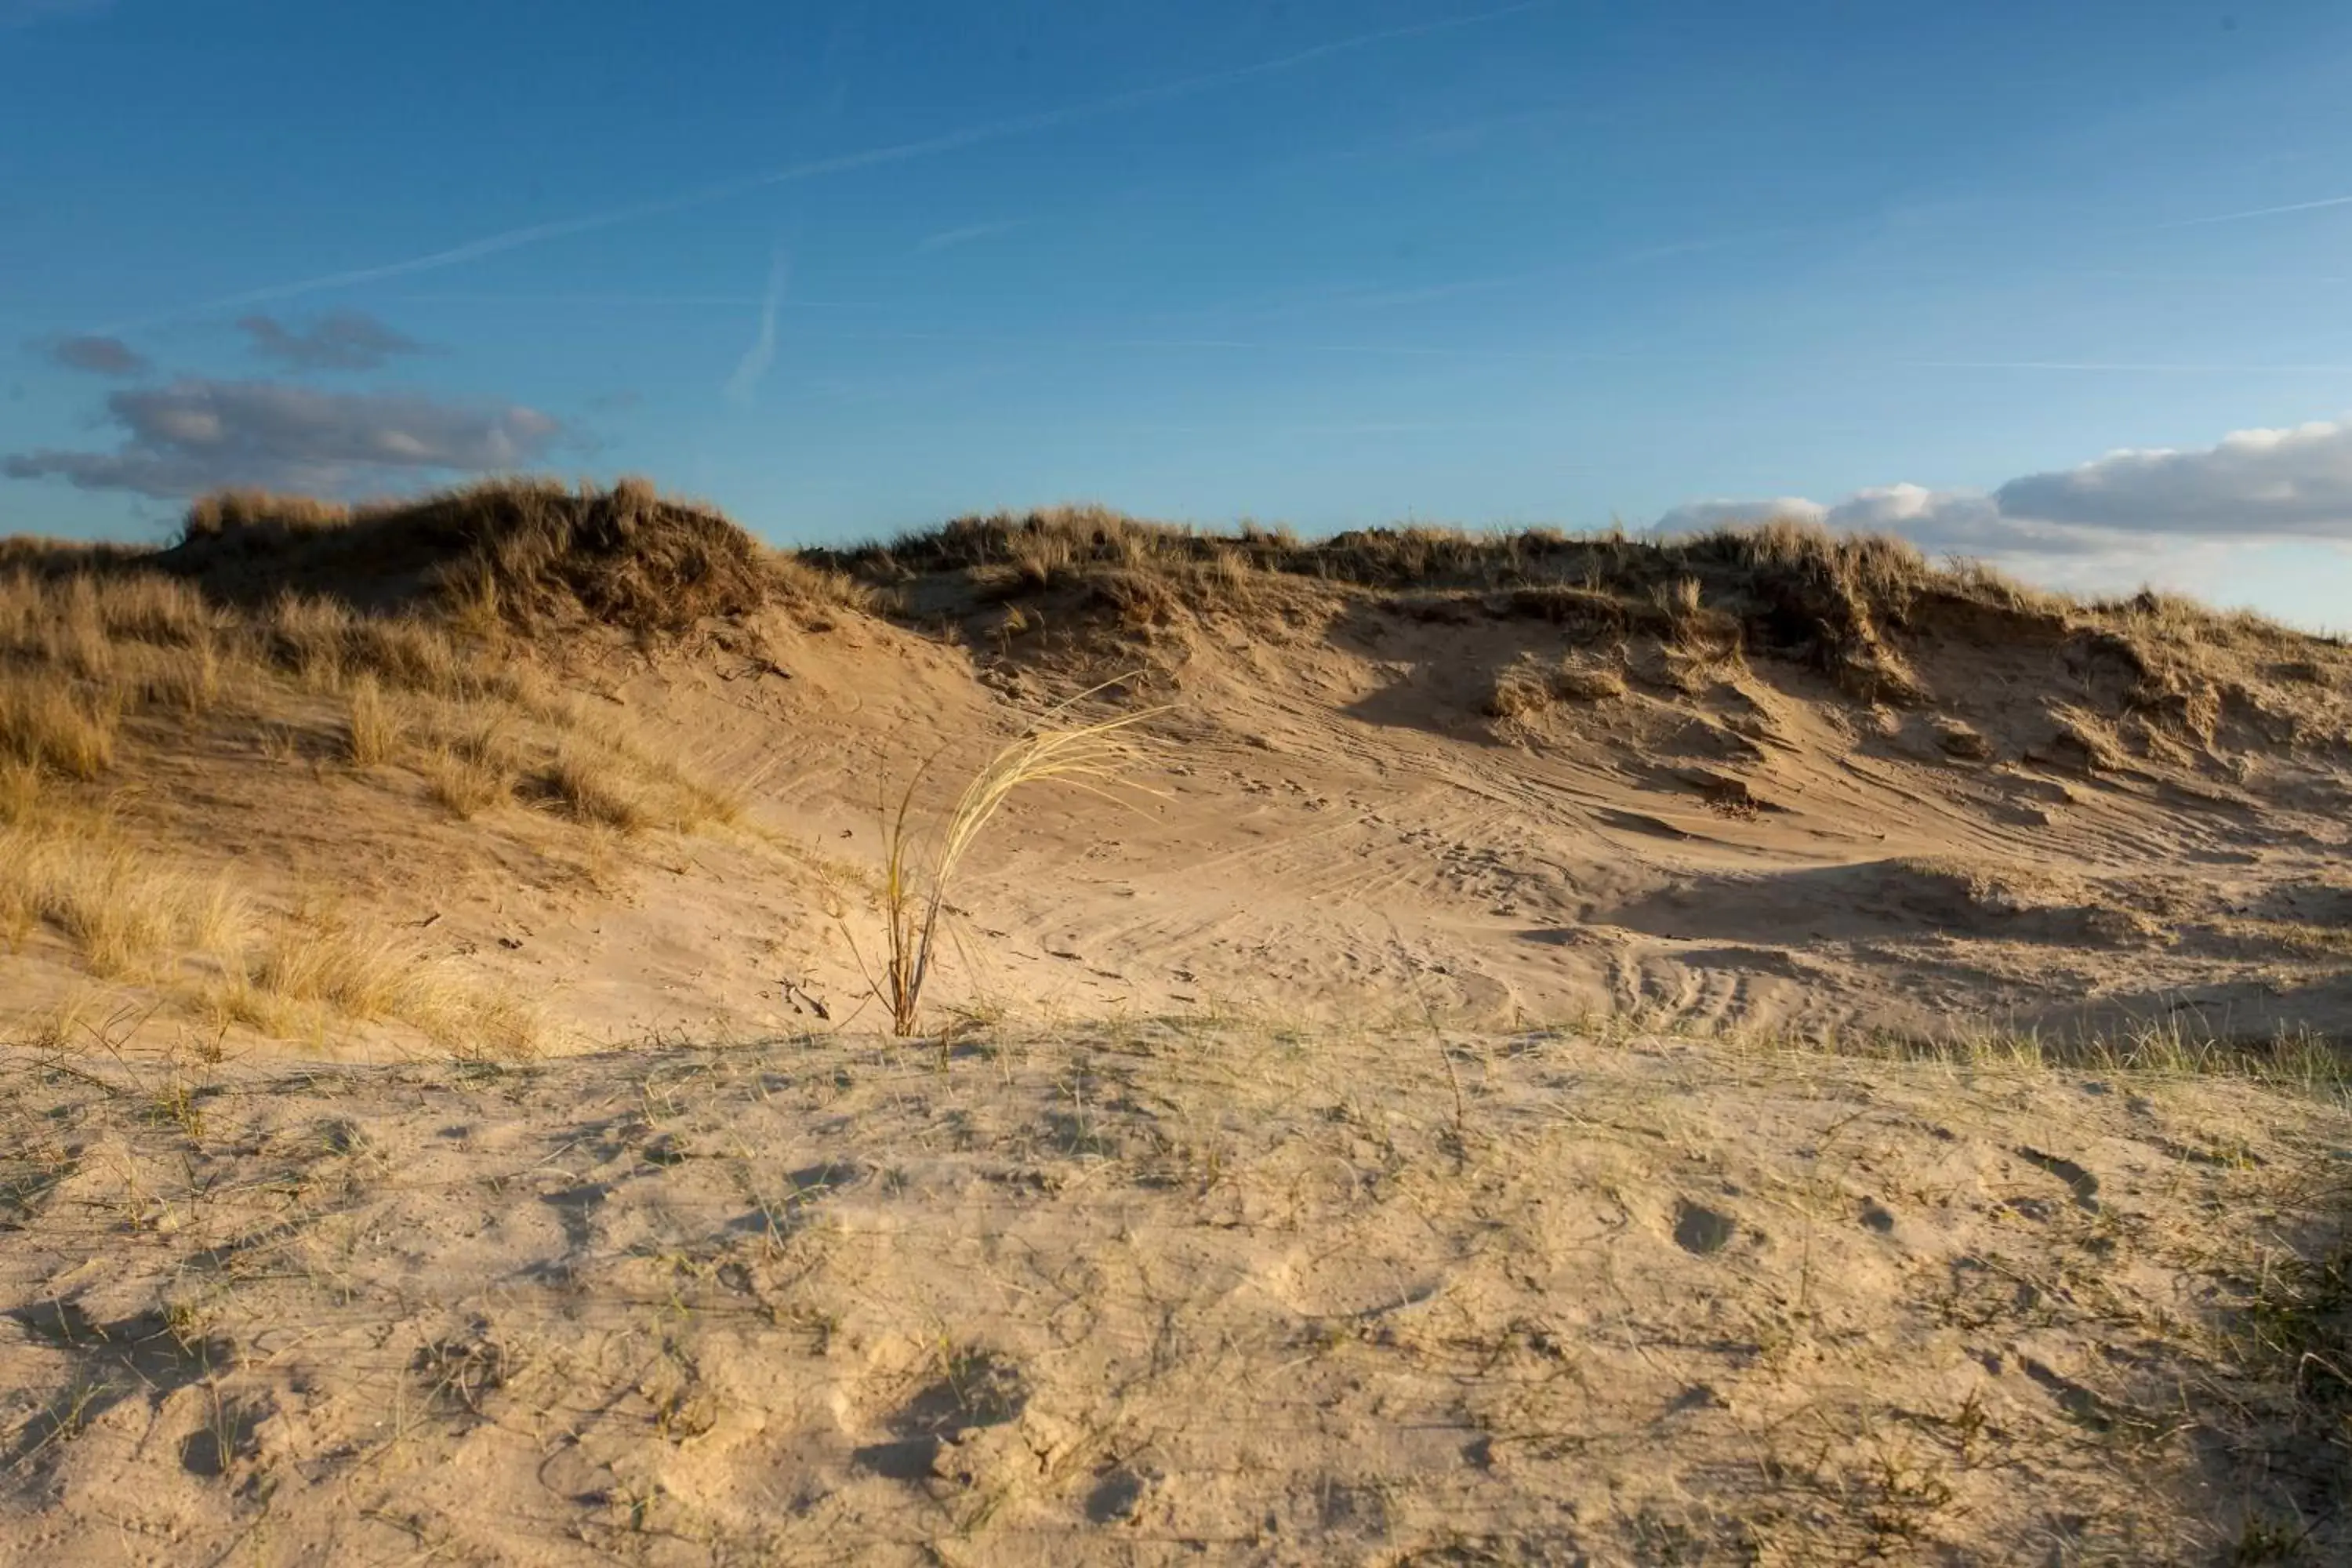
195 435
1701 516
2252 486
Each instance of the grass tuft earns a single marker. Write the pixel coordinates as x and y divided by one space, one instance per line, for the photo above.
47 723
465 785
306 635
113 903
593 786
1093 757
1528 686
20 790
372 730
359 975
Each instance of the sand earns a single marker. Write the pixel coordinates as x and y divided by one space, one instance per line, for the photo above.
1144 1294
1544 1073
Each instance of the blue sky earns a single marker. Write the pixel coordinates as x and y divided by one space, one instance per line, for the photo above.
850 267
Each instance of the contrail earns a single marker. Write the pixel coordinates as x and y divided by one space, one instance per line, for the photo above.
872 157
2104 367
2261 212
753 367
1564 355
1218 345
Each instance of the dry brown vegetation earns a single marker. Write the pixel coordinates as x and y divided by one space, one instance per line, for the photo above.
1842 604
527 554
268 626
919 868
1530 687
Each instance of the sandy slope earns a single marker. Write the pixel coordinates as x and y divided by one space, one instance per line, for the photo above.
1466 1102
2073 821
1148 1294
1334 829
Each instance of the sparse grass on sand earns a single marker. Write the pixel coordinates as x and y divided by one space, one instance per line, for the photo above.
107 658
373 732
919 873
1044 1298
122 914
1789 589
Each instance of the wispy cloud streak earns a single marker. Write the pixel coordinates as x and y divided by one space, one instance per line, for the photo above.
1566 355
839 164
948 239
2260 212
753 367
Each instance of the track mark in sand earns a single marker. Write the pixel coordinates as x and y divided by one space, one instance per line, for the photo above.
2085 1185
1641 822
1289 843
975 1390
154 1353
803 1189
1699 1230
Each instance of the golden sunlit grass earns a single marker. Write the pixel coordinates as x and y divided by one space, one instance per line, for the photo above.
126 915
305 635
186 680
466 785
590 785
85 649
916 878
105 658
410 654
47 723
313 966
20 790
360 975
372 730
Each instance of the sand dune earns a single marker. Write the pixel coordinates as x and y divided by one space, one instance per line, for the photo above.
1751 1049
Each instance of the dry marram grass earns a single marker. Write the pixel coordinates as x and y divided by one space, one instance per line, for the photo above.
372 730
45 723
109 657
917 876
